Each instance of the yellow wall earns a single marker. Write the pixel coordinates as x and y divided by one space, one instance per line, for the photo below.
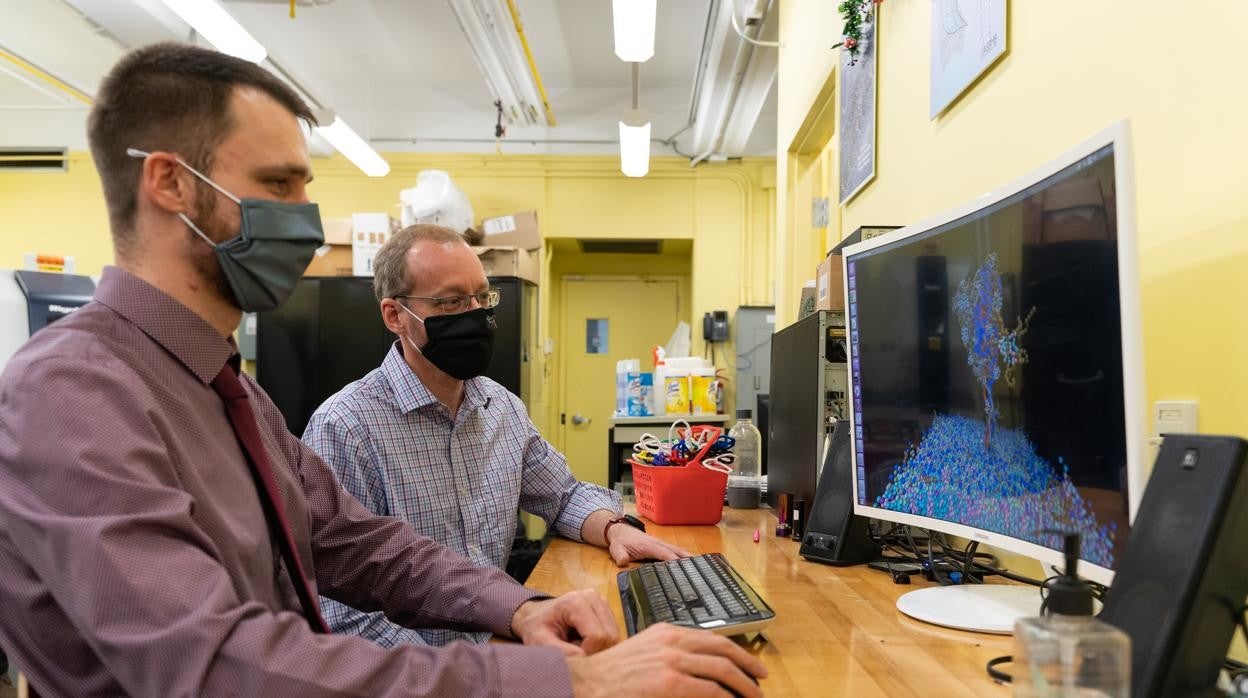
1062 80
1072 68
725 211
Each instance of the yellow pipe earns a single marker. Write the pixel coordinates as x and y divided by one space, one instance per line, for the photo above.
47 77
537 77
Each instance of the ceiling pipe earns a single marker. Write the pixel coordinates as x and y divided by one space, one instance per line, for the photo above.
740 62
699 75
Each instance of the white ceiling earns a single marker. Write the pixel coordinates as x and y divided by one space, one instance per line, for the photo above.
399 71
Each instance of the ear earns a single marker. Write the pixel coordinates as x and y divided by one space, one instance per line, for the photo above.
166 184
390 314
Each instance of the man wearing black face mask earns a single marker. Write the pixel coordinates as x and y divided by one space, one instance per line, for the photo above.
426 438
161 532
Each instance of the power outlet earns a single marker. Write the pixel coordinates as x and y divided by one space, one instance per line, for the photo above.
1174 417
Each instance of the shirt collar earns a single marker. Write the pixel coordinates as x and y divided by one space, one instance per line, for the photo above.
411 394
184 334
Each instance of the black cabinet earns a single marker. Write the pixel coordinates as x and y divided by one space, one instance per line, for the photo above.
330 333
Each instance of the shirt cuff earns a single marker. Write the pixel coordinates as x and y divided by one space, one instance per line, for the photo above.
585 500
503 599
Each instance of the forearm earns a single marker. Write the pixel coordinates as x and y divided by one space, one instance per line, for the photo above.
417 582
262 659
582 502
592 530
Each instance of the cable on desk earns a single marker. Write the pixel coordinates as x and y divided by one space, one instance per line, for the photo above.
996 674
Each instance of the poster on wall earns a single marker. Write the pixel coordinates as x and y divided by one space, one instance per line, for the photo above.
968 36
856 115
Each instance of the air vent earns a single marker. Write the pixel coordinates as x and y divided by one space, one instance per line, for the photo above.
33 159
621 246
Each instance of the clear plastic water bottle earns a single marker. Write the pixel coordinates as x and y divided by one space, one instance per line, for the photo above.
743 482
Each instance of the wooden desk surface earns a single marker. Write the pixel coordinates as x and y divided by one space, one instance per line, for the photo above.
837 631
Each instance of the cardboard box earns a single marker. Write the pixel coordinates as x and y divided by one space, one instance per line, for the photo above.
830 284
331 260
516 230
337 231
510 261
369 231
806 302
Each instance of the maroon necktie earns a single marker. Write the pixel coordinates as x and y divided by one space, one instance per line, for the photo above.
238 407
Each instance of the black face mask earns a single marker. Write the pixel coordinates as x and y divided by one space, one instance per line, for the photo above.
459 345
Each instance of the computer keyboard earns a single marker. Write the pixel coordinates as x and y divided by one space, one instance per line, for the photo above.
696 592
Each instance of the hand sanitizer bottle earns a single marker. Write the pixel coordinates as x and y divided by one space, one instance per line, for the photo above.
1066 652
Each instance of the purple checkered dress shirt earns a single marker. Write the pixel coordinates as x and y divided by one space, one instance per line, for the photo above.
134 554
460 482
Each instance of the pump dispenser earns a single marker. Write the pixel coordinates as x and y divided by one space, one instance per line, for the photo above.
1066 652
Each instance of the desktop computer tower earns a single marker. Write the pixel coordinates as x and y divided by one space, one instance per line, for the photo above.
809 392
330 333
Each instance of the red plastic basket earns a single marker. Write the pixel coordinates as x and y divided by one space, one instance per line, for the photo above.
686 495
679 496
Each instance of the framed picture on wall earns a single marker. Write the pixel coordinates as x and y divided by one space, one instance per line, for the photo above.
968 36
856 114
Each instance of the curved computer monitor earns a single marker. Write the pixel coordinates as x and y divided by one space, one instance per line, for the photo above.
996 370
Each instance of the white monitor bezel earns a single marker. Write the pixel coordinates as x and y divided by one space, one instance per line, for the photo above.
1119 136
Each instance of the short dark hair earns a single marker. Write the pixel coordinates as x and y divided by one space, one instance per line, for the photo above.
172 97
390 277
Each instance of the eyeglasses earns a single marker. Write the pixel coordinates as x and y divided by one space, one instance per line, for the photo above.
458 304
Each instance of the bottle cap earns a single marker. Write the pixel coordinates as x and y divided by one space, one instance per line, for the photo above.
1069 595
744 414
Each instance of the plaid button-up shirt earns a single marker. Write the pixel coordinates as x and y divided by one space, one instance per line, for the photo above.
459 481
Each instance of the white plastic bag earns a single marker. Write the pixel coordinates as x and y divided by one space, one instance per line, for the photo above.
435 199
679 343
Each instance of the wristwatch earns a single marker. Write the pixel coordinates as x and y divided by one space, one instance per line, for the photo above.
625 519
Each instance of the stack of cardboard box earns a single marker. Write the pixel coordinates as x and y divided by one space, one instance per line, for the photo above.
512 246
350 244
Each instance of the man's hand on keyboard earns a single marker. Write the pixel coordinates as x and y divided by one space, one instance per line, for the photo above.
628 544
664 660
577 623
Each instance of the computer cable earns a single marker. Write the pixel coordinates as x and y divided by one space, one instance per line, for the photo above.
968 563
996 674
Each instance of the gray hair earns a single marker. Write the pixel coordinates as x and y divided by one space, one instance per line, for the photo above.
390 277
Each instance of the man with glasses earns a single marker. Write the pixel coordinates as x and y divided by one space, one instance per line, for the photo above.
428 439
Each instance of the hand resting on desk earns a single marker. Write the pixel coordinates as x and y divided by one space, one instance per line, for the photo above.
577 623
631 545
664 660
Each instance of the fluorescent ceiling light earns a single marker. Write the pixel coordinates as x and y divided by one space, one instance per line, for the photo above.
359 152
220 29
495 43
634 29
635 143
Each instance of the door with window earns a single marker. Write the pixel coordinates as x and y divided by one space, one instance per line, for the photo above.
605 319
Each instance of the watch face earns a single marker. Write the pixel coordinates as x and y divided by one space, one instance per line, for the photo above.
634 522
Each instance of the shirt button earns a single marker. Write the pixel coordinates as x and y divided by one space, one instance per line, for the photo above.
463 492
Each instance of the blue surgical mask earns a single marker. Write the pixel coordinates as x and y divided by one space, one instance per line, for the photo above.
273 248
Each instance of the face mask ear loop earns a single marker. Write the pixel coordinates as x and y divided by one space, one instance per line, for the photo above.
410 343
136 153
195 228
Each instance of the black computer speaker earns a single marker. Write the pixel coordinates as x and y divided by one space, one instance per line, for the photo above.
1184 574
833 533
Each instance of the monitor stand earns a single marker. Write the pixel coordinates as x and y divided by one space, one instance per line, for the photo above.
984 608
